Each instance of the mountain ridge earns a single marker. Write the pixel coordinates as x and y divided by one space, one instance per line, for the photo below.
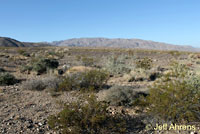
122 43
100 42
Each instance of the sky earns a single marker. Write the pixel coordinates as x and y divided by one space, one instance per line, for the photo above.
170 21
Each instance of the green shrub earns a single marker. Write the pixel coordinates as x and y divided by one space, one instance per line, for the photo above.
50 63
173 98
69 83
40 68
93 79
25 68
88 118
7 79
145 63
42 65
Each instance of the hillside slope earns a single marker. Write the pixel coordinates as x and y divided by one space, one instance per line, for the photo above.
8 42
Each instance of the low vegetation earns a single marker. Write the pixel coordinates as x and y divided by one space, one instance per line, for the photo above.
40 65
87 61
88 118
101 90
120 96
40 84
93 79
56 54
174 97
26 68
7 79
116 64
23 52
145 63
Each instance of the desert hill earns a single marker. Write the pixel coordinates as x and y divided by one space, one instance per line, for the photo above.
8 42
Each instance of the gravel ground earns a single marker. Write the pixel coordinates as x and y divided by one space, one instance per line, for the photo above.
26 112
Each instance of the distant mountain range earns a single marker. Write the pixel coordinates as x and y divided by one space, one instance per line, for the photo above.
8 42
101 42
122 43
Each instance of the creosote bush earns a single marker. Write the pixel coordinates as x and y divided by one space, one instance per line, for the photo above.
93 79
87 118
174 98
42 65
7 79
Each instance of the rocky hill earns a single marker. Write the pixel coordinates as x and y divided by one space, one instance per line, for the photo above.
8 42
122 43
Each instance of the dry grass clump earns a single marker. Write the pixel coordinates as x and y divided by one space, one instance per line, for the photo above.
121 96
118 64
87 61
40 84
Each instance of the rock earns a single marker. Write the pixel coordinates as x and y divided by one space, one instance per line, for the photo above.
40 124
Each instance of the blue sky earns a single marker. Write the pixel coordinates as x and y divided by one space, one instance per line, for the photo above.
170 21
